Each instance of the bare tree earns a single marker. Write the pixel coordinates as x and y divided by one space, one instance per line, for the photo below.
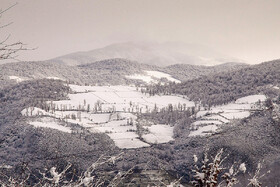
10 50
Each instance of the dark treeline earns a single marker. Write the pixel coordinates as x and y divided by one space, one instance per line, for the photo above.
226 87
185 72
168 115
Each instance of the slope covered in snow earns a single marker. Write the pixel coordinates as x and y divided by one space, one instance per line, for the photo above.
209 121
16 78
153 77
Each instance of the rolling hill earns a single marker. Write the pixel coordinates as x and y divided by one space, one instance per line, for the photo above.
109 71
224 87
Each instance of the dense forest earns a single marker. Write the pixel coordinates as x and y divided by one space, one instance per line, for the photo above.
185 72
225 87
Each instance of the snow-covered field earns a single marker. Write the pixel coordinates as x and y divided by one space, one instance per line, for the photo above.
16 78
54 78
159 75
159 134
209 121
152 77
117 98
110 110
20 79
204 130
49 123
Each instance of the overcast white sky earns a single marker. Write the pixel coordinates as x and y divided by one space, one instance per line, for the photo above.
245 29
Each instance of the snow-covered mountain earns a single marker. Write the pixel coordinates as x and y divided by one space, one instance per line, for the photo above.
160 54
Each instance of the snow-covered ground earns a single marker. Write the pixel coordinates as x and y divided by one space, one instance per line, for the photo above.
204 130
159 134
110 110
159 75
16 78
54 78
49 123
209 121
152 77
145 78
117 98
251 99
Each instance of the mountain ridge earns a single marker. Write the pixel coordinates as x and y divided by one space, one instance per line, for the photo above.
160 54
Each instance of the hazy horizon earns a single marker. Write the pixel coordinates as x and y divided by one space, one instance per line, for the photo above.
243 29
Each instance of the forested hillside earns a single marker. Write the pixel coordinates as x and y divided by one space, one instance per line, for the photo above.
186 72
228 86
110 71
22 144
38 70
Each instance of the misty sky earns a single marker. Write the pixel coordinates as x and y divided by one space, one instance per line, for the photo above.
245 29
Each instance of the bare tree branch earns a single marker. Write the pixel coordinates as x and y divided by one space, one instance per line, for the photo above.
10 50
5 10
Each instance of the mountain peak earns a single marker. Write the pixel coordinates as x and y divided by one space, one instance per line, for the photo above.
152 53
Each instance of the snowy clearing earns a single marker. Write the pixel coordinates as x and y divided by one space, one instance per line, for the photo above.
159 134
220 115
117 98
144 78
204 130
202 122
159 75
218 118
16 78
54 78
251 99
152 77
50 123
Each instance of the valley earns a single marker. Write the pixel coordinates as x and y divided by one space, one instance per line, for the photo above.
112 110
139 93
147 113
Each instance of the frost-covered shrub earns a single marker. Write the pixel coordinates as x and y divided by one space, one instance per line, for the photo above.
212 173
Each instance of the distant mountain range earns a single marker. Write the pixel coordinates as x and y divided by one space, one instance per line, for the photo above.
163 54
112 64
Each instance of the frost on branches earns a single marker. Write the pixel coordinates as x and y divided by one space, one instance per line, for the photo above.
212 174
208 174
